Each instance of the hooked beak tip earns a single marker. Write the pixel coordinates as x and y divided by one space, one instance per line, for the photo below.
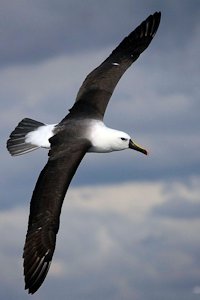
136 147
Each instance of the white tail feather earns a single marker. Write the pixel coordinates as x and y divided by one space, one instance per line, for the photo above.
29 135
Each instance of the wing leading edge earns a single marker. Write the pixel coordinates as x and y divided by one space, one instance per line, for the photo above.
96 90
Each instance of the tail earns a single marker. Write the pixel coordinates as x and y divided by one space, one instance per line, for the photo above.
17 144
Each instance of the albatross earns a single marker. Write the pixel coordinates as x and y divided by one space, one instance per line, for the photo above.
81 131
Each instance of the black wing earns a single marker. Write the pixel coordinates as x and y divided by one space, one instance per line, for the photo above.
45 210
99 85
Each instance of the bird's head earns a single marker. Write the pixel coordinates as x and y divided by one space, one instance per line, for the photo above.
122 141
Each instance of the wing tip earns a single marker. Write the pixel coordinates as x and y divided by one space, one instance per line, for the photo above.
156 17
37 260
149 27
34 280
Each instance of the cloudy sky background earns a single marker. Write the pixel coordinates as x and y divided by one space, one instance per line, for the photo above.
130 225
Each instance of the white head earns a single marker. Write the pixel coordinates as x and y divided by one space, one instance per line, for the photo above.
117 140
105 139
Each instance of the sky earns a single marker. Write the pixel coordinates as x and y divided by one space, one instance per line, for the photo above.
130 224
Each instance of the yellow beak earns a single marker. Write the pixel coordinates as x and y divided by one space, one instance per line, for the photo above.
136 147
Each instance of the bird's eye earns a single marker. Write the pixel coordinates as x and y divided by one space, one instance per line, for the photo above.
123 139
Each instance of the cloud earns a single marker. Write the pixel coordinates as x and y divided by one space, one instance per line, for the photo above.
34 30
111 245
182 206
178 208
196 290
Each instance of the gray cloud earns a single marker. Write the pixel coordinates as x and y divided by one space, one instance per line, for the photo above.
111 245
183 206
178 208
35 30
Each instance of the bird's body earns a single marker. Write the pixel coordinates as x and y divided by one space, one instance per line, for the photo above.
102 138
81 131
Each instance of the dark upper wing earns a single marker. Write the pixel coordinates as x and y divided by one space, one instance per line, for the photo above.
99 85
45 210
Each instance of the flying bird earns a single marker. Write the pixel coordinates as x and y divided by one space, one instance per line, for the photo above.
81 131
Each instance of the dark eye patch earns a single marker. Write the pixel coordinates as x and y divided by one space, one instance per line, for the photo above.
123 139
